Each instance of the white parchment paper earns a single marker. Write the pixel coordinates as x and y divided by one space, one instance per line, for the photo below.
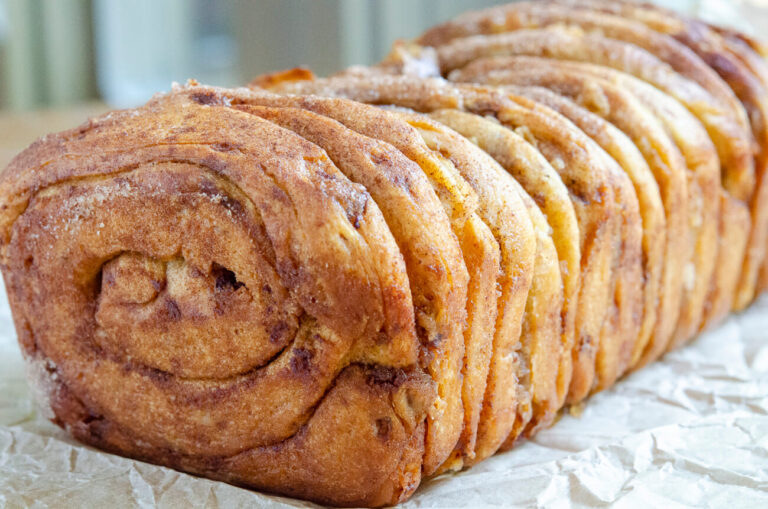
688 431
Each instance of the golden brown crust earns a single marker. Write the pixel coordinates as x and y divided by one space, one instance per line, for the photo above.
482 255
747 73
733 142
549 345
703 183
599 217
358 404
521 15
547 330
592 177
621 148
274 79
491 435
737 62
719 51
683 43
496 425
440 321
216 191
594 48
749 53
391 275
554 221
733 233
502 208
662 155
421 229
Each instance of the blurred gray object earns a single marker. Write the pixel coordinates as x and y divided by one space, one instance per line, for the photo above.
144 45
329 35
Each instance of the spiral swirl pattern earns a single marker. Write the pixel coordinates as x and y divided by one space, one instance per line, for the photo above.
186 294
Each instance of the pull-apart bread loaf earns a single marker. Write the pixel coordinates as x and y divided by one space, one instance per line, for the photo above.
333 288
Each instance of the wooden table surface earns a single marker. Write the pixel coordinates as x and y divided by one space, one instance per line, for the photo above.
18 130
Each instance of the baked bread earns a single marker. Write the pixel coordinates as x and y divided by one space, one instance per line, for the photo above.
181 218
737 60
695 50
339 287
595 184
620 148
733 140
699 155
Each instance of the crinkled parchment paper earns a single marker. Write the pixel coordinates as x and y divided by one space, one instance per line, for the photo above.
690 430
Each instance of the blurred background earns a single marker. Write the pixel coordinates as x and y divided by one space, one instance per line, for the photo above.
59 52
56 53
62 61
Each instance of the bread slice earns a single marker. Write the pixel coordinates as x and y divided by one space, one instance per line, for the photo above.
437 323
433 255
737 60
660 152
597 281
703 180
496 426
621 148
546 328
502 206
522 15
733 142
582 169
